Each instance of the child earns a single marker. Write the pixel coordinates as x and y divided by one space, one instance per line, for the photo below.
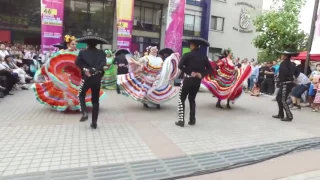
316 101
255 90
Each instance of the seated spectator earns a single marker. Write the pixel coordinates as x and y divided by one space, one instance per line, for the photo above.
255 91
302 84
3 82
8 63
10 80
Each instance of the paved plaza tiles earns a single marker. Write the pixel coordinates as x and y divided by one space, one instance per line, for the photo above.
38 142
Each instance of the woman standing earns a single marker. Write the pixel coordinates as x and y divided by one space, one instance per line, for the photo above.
109 80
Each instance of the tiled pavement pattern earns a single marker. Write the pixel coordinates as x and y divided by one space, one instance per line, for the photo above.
41 148
34 138
166 168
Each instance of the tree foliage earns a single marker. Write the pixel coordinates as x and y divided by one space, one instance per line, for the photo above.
263 56
278 27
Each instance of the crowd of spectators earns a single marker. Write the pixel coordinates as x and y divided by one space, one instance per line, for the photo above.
263 80
15 62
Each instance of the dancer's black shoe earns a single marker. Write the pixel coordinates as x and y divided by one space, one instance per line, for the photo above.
93 126
286 119
84 117
192 122
277 117
218 105
180 123
228 106
145 105
158 106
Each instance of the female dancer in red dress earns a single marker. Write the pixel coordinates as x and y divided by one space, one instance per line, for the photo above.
227 79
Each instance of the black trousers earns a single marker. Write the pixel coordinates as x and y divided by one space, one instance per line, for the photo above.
282 97
268 85
11 80
93 83
189 88
118 89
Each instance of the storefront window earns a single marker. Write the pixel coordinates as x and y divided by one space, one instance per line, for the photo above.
141 43
21 19
94 15
147 16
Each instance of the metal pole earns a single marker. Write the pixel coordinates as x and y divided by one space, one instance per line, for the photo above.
313 26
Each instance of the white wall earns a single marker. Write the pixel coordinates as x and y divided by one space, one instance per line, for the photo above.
240 43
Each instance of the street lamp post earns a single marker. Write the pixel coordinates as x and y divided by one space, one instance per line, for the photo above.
313 26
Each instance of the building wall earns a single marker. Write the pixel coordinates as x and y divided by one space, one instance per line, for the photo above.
233 36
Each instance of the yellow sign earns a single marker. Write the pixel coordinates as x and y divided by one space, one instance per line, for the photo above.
122 24
49 11
124 10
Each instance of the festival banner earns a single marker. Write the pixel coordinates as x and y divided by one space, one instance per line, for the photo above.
124 23
175 21
52 12
315 49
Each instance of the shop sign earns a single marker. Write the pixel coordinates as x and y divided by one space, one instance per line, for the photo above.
14 21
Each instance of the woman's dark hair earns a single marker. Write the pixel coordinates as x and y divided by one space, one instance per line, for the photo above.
6 58
226 52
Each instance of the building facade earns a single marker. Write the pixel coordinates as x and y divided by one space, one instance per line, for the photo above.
232 27
215 20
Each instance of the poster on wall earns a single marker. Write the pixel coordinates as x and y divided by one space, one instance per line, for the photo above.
175 21
124 23
51 23
315 49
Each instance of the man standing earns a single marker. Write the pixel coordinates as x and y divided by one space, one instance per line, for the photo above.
286 71
268 82
195 65
91 62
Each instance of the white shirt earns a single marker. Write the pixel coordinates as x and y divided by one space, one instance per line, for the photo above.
3 53
302 79
28 55
2 67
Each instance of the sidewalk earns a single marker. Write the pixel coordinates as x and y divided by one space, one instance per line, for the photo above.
300 166
136 143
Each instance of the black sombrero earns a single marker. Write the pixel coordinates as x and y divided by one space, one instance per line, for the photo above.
121 51
288 52
166 51
198 40
93 40
60 46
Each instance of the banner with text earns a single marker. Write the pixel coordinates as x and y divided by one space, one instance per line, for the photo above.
315 49
51 23
175 21
124 23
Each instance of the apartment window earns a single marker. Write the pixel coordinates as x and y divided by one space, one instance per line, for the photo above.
194 2
192 25
140 43
217 23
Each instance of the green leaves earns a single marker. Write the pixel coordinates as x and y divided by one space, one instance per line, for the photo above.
278 27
